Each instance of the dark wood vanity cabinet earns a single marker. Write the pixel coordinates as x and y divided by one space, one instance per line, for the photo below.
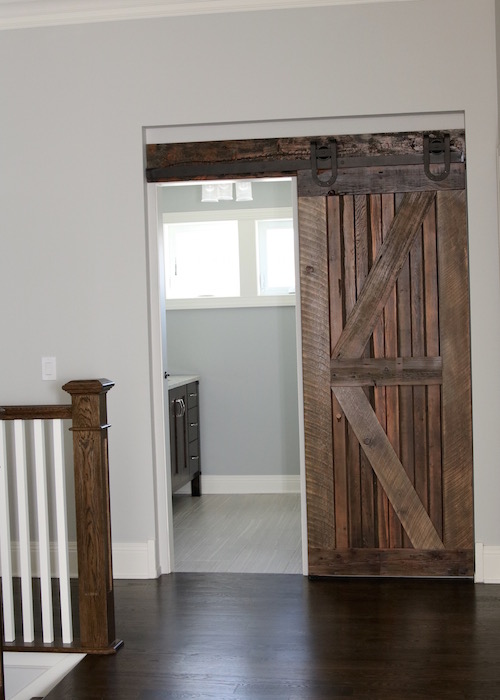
185 437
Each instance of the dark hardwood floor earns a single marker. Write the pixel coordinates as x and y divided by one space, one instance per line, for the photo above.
261 636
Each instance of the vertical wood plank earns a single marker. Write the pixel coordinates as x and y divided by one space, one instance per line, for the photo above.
391 350
353 449
404 350
24 530
432 350
5 543
418 350
455 351
368 527
337 317
43 532
379 393
62 532
313 261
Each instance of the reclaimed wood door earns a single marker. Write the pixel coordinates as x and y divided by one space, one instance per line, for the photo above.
387 394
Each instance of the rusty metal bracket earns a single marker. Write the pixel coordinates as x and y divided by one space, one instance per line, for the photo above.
437 145
324 153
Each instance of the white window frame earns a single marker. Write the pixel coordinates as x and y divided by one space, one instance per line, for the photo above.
248 258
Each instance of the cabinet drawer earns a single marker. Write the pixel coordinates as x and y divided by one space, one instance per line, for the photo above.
192 394
194 457
193 424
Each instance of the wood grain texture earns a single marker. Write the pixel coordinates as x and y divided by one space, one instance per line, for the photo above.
383 180
380 372
261 637
406 436
418 350
59 411
339 430
93 520
391 350
391 562
455 351
389 470
313 262
432 349
383 274
367 477
379 392
353 450
244 150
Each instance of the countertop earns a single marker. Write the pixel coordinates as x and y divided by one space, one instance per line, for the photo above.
175 380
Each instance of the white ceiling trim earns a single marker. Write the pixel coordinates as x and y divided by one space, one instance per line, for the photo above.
19 14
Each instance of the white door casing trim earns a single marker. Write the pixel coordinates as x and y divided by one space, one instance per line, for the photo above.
253 130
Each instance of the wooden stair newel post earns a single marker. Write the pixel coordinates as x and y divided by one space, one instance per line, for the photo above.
93 522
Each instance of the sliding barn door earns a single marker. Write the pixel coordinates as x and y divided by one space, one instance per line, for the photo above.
387 395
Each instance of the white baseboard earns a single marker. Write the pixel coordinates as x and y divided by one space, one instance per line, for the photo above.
137 560
487 568
130 560
232 484
35 559
134 560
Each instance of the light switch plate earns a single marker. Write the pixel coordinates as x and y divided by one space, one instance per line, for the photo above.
49 370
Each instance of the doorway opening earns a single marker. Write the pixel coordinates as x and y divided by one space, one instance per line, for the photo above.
231 326
387 221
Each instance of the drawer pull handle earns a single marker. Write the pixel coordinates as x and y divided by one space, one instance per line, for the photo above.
195 458
179 408
193 425
193 396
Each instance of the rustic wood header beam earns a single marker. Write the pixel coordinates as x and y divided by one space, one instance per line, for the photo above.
273 157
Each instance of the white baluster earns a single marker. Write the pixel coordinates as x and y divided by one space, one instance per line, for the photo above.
5 543
24 530
43 532
62 532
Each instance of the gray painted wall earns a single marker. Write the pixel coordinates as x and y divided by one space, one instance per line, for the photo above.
248 388
75 101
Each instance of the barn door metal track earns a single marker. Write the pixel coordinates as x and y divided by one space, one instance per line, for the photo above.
324 164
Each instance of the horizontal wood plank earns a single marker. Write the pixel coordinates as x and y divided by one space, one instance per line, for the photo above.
382 180
386 371
391 562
